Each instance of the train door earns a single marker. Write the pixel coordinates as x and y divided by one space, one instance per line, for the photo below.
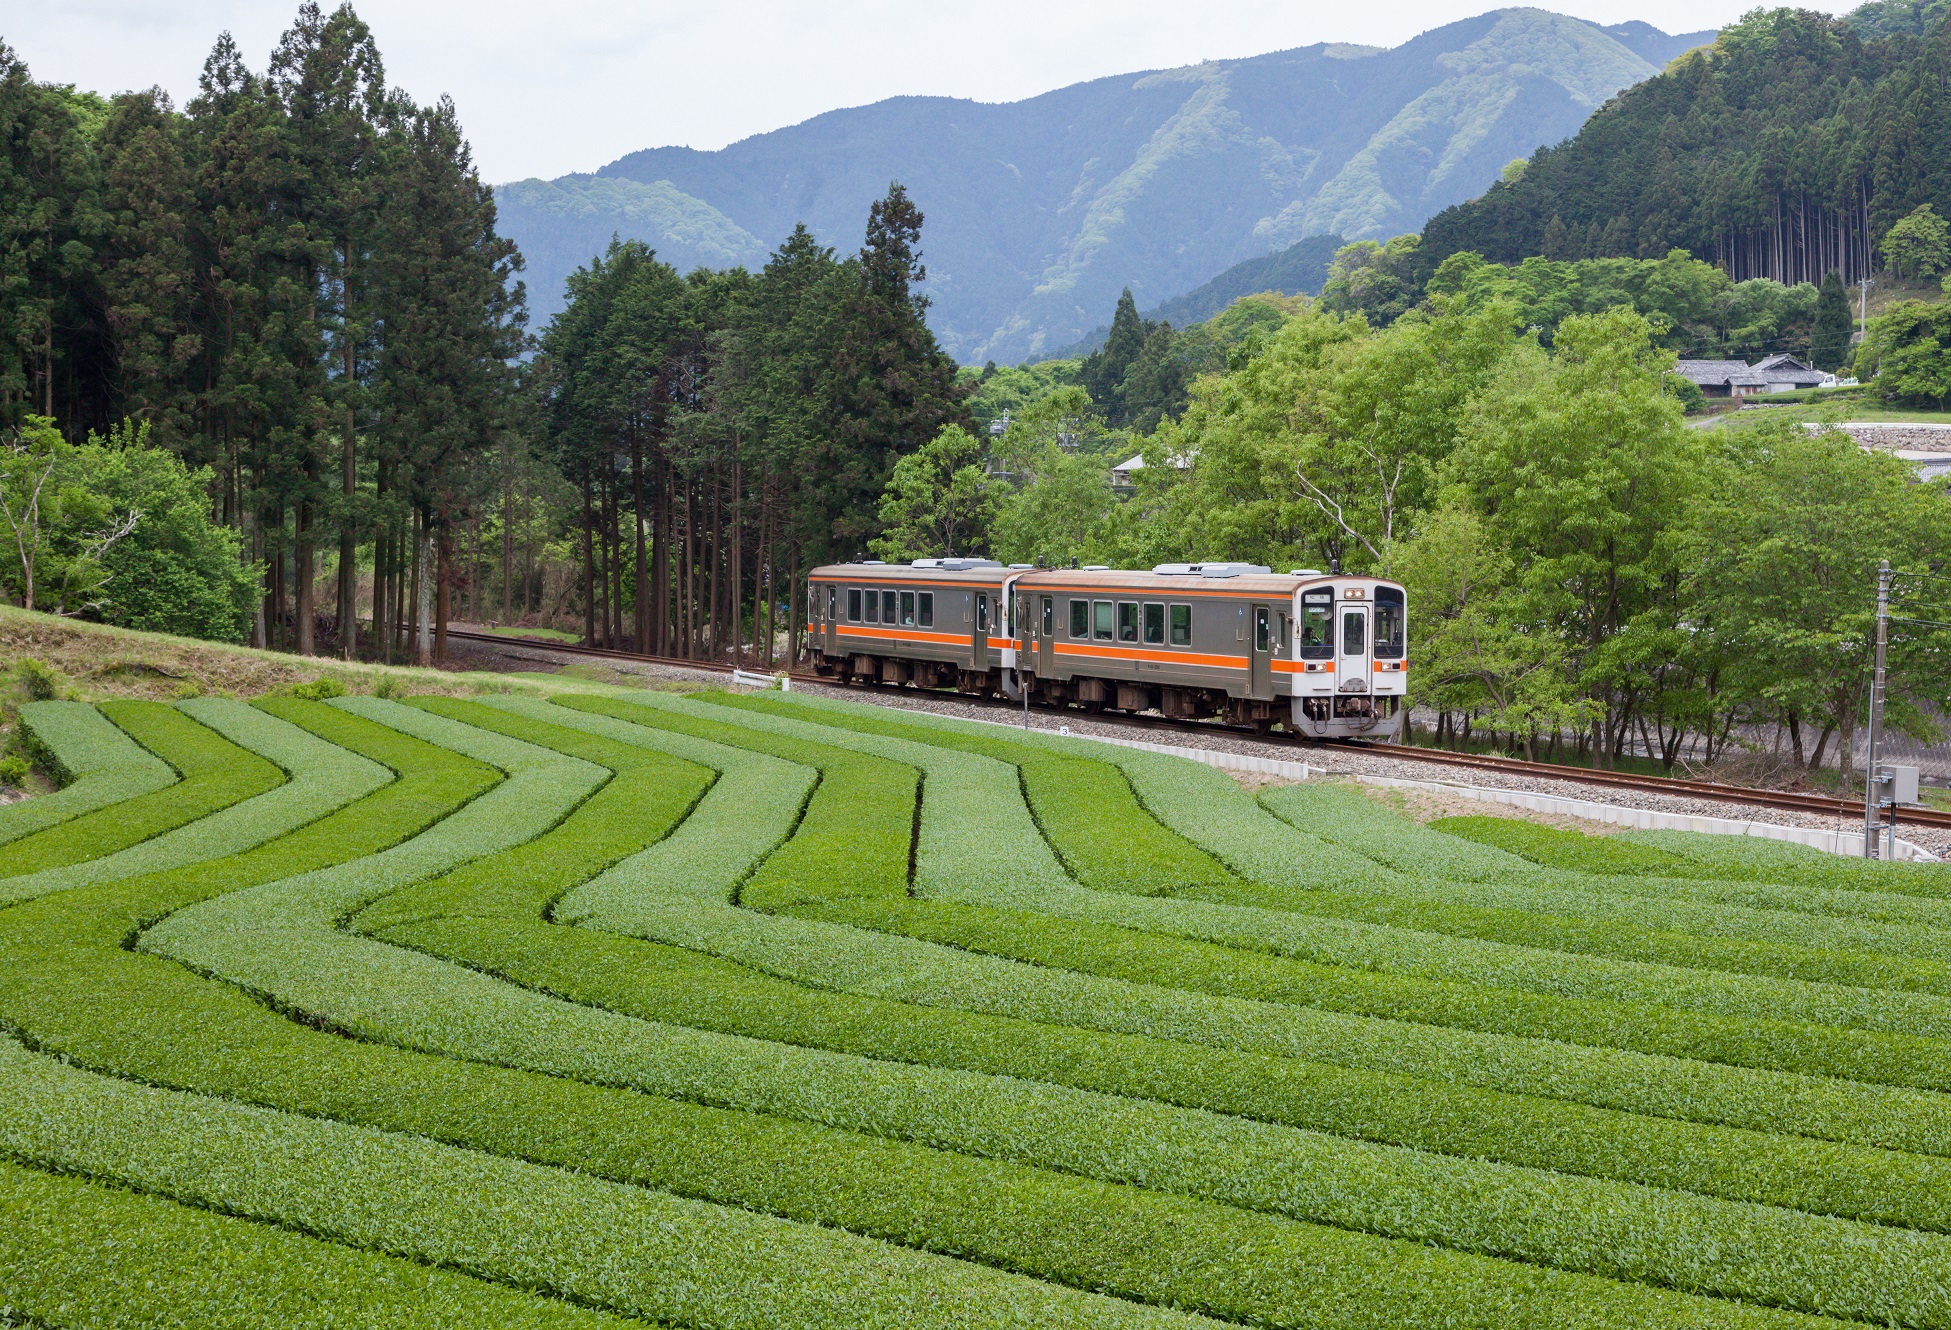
979 639
1260 681
1351 667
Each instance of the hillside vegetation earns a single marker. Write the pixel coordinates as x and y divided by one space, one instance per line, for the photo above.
1787 148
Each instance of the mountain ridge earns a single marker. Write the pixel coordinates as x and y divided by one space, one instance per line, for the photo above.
1041 210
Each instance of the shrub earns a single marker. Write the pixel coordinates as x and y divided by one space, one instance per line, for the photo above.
40 681
13 771
319 689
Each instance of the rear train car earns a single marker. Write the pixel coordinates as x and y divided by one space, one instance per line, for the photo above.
1320 655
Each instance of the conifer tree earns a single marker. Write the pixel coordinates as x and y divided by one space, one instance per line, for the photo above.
443 376
48 219
894 387
1829 343
1103 371
328 74
146 260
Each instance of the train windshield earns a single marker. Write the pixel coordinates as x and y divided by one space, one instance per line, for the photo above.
1388 623
1317 625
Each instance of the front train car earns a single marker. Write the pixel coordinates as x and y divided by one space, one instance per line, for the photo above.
1349 660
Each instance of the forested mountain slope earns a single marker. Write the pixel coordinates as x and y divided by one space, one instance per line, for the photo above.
1040 211
1784 150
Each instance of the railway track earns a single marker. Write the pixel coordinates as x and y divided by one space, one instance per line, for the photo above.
1823 805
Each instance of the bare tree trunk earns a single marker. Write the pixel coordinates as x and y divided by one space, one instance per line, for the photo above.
716 498
443 583
589 566
641 628
690 570
660 562
736 547
615 524
422 588
349 468
793 612
303 574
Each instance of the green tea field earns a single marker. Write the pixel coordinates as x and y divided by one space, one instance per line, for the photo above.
601 1008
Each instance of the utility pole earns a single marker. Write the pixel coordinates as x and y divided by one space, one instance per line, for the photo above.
1870 781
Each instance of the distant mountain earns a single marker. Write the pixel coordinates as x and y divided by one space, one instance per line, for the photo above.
1039 211
1300 269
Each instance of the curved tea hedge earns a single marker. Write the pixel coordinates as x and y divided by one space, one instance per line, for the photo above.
96 764
628 1008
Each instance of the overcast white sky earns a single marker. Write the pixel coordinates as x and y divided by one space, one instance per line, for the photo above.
551 86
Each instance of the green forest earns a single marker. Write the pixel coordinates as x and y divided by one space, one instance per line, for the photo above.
289 297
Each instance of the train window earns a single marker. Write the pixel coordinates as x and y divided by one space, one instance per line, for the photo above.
1388 623
927 609
1155 623
1263 636
1182 625
853 604
1127 621
1049 617
1101 620
907 609
873 605
889 612
1354 633
982 614
1317 624
1080 618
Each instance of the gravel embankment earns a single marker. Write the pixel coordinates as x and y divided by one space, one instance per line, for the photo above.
1337 760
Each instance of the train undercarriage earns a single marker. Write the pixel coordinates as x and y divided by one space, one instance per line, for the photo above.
1338 716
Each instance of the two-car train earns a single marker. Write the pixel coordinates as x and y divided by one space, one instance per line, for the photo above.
1322 655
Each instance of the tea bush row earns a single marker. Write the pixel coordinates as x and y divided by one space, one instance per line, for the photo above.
322 778
95 763
215 774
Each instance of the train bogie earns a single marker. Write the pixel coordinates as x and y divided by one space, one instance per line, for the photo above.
1321 655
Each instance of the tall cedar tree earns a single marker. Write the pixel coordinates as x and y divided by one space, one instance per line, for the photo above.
442 377
49 223
328 74
146 261
1103 371
1829 344
894 388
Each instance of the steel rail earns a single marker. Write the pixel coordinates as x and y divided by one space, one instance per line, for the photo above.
1679 787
